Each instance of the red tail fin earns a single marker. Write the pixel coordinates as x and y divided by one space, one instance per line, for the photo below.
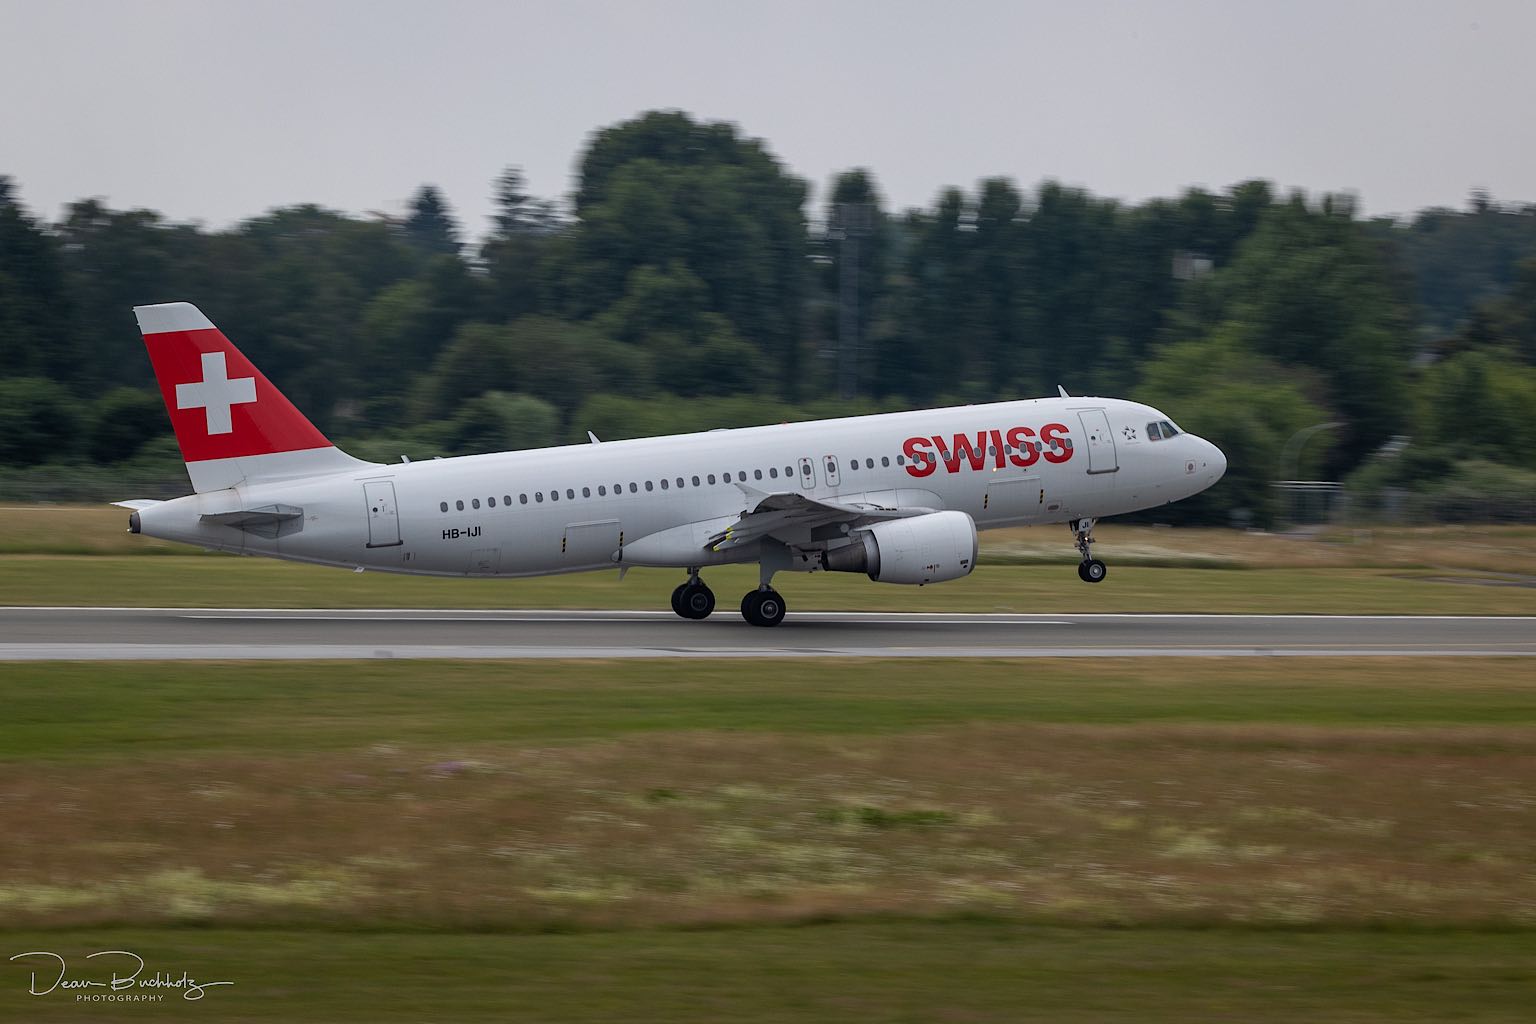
227 416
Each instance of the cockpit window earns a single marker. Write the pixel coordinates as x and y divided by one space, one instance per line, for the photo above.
1153 432
1169 430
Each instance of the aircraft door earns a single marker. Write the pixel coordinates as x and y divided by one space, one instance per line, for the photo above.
829 464
1101 441
383 519
808 474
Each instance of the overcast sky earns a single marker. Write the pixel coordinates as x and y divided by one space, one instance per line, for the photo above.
215 111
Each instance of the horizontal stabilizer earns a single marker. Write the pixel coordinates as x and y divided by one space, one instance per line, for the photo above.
263 521
137 503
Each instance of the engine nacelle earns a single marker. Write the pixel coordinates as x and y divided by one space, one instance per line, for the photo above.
929 548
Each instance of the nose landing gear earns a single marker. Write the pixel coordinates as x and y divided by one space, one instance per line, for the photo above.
1090 570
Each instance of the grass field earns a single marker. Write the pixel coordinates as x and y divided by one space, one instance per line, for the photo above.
969 971
1167 840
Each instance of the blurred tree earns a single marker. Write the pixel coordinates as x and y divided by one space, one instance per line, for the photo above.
1310 288
39 422
1461 259
123 421
521 250
38 335
430 226
497 422
663 190
856 229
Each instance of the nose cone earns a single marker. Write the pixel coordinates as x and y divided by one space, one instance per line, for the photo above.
1213 462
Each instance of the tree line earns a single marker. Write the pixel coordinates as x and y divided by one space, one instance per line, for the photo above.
687 283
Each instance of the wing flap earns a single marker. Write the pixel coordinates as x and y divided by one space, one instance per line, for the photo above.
791 513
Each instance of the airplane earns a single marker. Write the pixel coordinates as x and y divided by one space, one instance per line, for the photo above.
898 496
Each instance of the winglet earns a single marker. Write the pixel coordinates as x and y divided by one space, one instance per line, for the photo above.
1062 391
593 438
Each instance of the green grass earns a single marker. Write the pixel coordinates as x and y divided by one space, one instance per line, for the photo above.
1339 840
974 971
249 582
76 710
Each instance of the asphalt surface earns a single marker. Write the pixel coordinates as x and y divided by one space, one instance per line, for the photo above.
106 634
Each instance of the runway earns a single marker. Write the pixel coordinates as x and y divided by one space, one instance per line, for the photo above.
254 634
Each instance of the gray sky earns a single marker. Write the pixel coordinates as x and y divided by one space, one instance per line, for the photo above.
217 111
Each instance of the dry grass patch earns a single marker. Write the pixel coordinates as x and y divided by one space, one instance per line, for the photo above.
1078 824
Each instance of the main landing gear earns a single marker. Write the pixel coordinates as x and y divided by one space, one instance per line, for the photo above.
761 607
693 600
1090 570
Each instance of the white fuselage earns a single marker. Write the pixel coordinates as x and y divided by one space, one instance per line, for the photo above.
580 507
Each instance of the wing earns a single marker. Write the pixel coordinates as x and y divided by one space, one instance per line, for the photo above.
789 516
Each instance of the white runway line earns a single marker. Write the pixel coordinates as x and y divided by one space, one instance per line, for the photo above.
365 652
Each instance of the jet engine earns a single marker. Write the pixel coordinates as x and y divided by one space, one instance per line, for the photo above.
928 548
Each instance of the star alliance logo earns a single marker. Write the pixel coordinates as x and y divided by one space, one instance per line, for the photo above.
1129 432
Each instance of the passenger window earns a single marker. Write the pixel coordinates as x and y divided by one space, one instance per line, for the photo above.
459 505
554 494
901 460
443 505
650 486
618 488
869 463
757 474
491 501
727 478
695 481
853 463
586 492
506 499
789 471
570 492
885 461
663 483
1152 433
522 499
474 502
538 496
711 478
602 490
680 482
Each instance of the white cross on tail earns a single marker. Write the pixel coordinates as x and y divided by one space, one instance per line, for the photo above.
215 393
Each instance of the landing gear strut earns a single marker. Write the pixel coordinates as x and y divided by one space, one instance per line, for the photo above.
1090 570
693 600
